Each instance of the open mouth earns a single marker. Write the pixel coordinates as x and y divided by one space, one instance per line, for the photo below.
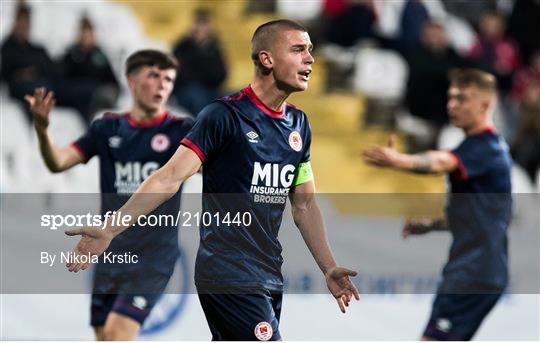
158 97
305 74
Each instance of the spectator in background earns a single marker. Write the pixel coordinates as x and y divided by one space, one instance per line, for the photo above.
527 75
88 82
526 147
494 52
429 64
524 26
413 18
25 65
202 68
469 10
258 6
348 21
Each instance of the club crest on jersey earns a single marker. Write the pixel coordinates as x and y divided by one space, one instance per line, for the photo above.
263 331
295 141
160 142
252 137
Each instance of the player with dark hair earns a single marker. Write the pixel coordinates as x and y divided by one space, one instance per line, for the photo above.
255 149
130 146
478 212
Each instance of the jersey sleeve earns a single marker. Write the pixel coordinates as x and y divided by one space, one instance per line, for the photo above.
187 125
214 128
304 172
473 157
86 145
306 155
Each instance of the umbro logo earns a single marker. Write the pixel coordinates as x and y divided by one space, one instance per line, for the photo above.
444 325
115 141
252 137
139 302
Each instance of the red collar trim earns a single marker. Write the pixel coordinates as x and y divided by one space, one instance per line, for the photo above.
255 99
147 123
488 129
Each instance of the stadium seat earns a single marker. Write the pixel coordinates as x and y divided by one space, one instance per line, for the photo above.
450 137
66 125
380 74
538 181
83 178
411 125
8 10
15 145
520 180
460 33
300 10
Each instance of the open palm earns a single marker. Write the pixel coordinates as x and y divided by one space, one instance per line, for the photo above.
41 104
93 242
341 287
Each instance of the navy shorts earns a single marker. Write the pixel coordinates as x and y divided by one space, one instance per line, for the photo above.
456 317
132 294
243 317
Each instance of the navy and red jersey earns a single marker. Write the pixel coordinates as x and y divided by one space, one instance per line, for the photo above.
479 213
251 155
129 151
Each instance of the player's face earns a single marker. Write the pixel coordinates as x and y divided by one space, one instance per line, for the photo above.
151 87
292 60
87 38
21 29
467 106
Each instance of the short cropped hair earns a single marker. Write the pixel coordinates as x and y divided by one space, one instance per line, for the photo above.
465 77
202 15
266 34
150 58
85 23
22 12
493 14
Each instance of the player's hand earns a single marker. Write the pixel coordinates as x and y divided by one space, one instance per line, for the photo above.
382 156
41 104
418 226
94 241
341 287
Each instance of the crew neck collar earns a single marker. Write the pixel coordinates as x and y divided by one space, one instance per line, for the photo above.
261 105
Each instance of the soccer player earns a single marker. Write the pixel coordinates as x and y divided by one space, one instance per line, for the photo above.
130 146
478 211
255 148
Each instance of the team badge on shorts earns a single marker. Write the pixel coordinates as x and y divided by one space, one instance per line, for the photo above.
263 331
160 142
295 141
444 325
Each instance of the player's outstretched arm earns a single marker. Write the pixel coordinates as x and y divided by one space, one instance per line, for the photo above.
420 226
155 190
56 159
308 218
427 162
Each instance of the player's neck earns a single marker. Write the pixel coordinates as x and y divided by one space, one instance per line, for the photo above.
141 115
484 126
269 94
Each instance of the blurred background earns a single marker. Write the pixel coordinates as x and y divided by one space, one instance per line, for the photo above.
381 68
